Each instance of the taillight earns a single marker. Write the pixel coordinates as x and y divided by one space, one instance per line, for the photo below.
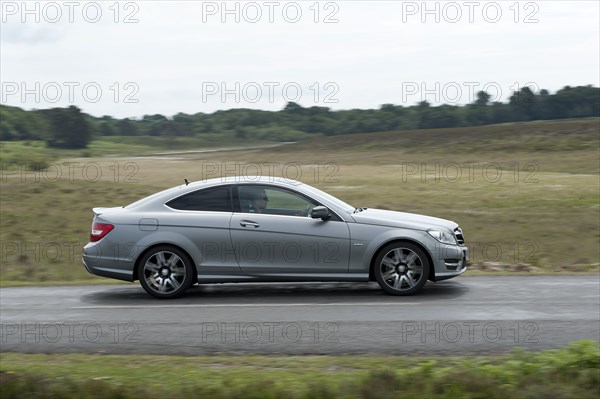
99 230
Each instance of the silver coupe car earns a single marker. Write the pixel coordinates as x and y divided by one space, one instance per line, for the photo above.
267 229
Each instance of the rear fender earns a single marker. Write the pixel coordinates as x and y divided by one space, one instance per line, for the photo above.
171 238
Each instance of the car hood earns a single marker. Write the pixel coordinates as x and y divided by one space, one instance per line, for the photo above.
401 219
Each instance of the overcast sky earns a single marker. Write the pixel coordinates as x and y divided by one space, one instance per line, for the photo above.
128 59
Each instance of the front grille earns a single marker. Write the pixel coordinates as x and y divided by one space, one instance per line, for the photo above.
460 239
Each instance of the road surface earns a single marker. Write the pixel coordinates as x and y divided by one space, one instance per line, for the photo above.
467 315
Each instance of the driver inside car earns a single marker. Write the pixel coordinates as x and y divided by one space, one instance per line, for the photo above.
258 201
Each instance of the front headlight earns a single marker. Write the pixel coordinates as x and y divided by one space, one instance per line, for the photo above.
443 236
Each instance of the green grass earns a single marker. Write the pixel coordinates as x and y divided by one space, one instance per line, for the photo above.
528 192
147 145
45 225
572 372
25 155
566 146
29 152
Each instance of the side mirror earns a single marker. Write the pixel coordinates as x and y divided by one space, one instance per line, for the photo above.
320 212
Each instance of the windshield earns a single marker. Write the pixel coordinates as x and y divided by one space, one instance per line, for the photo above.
336 201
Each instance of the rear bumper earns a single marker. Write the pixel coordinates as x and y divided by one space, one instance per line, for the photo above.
94 263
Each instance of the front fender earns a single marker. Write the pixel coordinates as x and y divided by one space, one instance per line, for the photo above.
367 240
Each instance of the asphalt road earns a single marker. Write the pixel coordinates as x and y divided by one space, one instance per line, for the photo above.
467 315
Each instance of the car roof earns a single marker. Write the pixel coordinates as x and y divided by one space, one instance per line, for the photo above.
244 180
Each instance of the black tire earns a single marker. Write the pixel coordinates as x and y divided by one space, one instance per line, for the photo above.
401 268
165 272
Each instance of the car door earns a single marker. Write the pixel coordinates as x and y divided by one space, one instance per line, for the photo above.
203 217
282 238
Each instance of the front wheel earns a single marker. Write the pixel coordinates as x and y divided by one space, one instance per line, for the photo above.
165 272
401 268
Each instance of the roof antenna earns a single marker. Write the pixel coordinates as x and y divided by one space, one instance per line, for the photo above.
186 181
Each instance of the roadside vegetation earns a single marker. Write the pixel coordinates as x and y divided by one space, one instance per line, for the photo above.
526 194
572 372
71 128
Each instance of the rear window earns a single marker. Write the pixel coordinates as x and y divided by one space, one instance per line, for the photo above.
216 199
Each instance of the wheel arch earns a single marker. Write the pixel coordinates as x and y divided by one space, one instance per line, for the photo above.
405 239
167 244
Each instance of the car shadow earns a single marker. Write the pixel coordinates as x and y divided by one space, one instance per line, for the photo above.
275 293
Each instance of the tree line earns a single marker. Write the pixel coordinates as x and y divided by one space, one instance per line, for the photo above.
71 128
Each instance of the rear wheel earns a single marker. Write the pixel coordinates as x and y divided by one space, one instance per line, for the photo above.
165 272
401 268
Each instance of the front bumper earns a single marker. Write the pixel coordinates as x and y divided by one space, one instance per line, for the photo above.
451 262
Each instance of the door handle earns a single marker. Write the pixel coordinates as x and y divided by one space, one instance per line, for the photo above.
248 223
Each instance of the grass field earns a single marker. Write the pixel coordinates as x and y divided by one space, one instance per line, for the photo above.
28 152
524 193
568 373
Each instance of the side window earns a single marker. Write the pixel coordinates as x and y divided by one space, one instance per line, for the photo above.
217 199
273 201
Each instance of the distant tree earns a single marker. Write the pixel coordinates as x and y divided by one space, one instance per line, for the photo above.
154 118
126 127
7 131
501 113
184 124
524 104
69 128
292 107
575 102
106 129
483 98
476 114
438 117
18 124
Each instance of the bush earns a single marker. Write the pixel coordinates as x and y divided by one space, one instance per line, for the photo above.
24 156
568 373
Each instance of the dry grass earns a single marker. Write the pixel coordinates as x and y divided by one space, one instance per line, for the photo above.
523 193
